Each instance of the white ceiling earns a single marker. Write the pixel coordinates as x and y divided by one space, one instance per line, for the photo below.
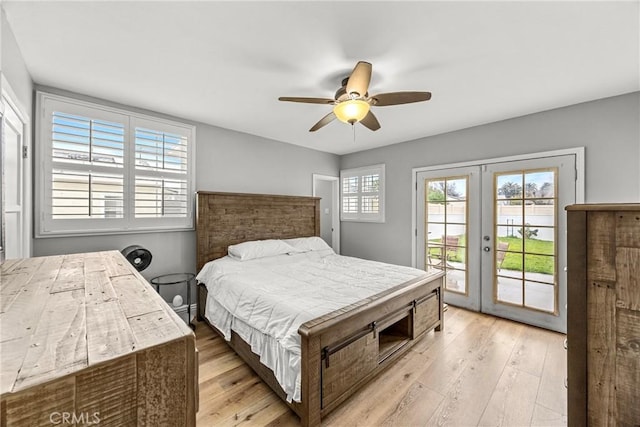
226 63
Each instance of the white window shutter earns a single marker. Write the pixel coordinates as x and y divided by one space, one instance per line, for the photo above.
363 194
107 170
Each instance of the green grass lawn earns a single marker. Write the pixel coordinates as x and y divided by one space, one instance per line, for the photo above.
533 263
542 263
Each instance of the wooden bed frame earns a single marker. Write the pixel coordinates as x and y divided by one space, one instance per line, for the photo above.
340 351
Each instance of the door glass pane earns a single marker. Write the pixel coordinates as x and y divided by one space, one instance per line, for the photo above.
435 191
435 231
539 213
540 268
456 212
542 243
509 186
539 184
455 243
525 236
456 280
510 235
457 189
509 214
434 256
509 290
500 256
446 225
539 296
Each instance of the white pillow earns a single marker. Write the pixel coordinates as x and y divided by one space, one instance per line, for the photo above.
307 244
260 249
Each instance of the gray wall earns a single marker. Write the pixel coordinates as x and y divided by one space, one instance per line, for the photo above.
243 163
13 66
609 129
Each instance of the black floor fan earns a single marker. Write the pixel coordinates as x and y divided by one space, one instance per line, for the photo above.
138 256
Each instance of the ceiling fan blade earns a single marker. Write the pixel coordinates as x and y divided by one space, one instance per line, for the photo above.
323 122
307 100
395 98
359 79
371 121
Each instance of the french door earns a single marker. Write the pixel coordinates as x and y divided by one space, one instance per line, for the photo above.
449 211
498 231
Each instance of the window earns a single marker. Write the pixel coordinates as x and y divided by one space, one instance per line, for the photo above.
363 194
105 170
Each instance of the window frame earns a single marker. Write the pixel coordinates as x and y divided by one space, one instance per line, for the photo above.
46 226
361 172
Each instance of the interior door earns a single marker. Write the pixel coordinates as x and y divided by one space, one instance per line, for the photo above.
448 233
13 189
327 188
524 239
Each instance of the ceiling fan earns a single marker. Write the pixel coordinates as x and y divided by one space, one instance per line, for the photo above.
351 103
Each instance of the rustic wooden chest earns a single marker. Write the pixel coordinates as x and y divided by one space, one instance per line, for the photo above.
603 307
84 339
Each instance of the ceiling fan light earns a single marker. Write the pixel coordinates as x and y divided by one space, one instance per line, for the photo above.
351 111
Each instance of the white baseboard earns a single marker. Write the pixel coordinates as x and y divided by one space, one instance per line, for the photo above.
183 308
182 312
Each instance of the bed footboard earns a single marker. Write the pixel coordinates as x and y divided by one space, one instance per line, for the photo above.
343 350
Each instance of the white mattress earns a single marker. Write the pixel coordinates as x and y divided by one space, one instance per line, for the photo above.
266 300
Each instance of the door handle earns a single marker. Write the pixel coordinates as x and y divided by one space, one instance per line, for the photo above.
487 249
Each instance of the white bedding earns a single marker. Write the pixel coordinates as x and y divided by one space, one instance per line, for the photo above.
265 300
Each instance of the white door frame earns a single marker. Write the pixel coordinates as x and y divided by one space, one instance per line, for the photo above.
335 212
580 180
10 100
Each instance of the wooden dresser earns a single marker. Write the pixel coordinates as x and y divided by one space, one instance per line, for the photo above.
85 340
603 306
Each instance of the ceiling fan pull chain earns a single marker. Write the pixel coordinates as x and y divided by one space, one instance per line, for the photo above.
354 132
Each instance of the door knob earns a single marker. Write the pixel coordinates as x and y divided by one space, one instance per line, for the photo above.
487 249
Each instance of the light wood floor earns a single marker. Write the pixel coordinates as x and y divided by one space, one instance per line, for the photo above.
481 371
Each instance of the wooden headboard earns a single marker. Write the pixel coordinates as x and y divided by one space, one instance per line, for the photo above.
225 219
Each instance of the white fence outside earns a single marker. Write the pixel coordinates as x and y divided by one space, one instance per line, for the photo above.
510 220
